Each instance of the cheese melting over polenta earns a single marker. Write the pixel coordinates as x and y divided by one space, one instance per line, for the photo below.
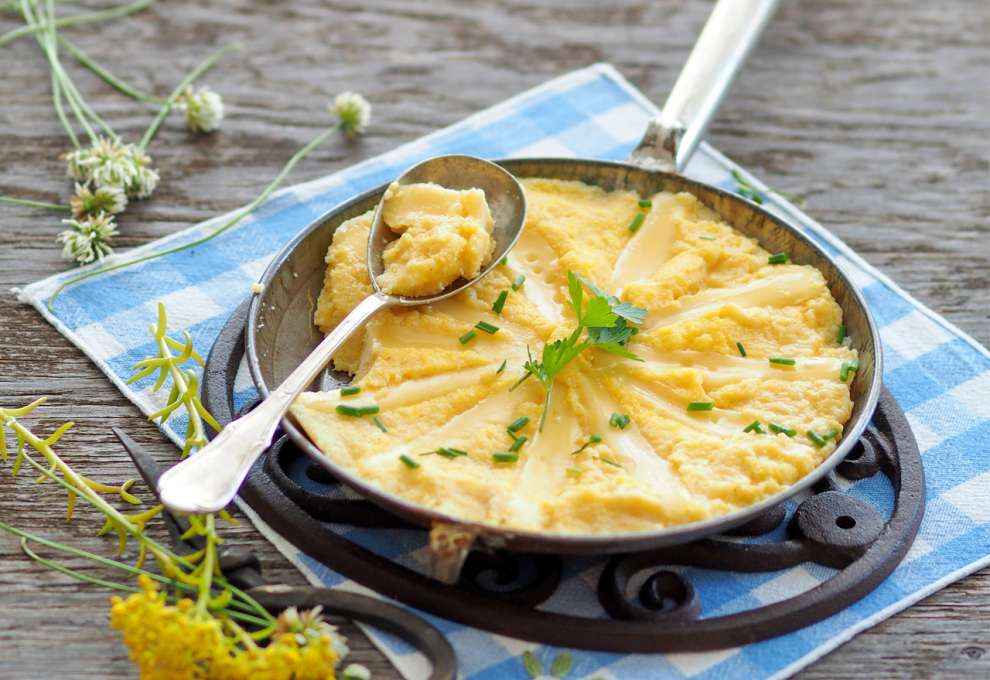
706 287
444 235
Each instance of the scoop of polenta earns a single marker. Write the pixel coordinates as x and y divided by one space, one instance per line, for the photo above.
444 235
620 450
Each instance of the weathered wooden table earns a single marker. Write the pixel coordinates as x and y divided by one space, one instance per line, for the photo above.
876 111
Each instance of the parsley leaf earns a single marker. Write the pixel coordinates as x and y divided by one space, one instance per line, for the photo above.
606 320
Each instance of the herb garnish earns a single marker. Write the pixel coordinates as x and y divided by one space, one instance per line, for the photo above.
500 302
357 411
840 335
467 337
816 438
754 427
700 405
780 429
778 258
517 424
782 361
519 281
637 222
742 350
847 368
609 461
619 420
607 321
489 328
349 390
502 367
747 189
593 439
518 444
505 457
645 203
448 452
379 424
408 462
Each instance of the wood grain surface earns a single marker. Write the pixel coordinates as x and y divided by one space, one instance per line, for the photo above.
876 110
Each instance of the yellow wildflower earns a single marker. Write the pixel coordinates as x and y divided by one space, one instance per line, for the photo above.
178 642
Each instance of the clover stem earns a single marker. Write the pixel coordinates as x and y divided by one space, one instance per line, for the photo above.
44 205
105 75
89 17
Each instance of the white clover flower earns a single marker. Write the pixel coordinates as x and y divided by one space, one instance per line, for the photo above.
110 163
110 200
354 112
203 108
88 240
355 671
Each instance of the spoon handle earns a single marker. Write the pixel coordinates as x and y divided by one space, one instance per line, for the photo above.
208 480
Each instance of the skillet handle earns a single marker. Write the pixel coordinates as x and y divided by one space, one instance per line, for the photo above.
729 35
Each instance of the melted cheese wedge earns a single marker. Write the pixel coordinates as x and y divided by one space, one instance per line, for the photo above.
706 287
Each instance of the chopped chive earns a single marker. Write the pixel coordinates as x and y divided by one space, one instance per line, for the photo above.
778 258
840 336
619 420
349 390
593 439
502 367
609 461
504 261
467 337
450 452
701 406
517 424
782 361
754 427
742 350
645 203
708 238
356 411
780 429
573 472
847 368
518 444
818 440
505 457
491 329
408 462
520 280
378 423
500 302
637 222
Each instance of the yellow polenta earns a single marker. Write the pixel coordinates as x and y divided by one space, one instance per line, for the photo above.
443 235
706 288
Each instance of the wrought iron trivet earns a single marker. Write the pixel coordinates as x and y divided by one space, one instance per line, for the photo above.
501 592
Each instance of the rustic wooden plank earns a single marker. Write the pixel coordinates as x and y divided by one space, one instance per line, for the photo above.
876 110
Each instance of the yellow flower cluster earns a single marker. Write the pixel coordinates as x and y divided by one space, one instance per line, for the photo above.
176 642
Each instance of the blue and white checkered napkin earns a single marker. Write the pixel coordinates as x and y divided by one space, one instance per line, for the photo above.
940 376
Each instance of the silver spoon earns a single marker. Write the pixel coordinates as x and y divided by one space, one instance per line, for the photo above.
208 480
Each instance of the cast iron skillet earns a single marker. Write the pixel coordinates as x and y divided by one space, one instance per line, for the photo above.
281 333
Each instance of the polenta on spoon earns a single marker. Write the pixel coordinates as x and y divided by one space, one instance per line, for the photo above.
208 480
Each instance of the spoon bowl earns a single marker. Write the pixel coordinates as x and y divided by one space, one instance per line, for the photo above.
208 481
505 198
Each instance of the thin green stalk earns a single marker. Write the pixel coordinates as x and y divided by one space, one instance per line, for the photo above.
266 623
112 585
298 156
46 42
60 111
191 78
89 17
208 564
10 200
109 78
70 87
